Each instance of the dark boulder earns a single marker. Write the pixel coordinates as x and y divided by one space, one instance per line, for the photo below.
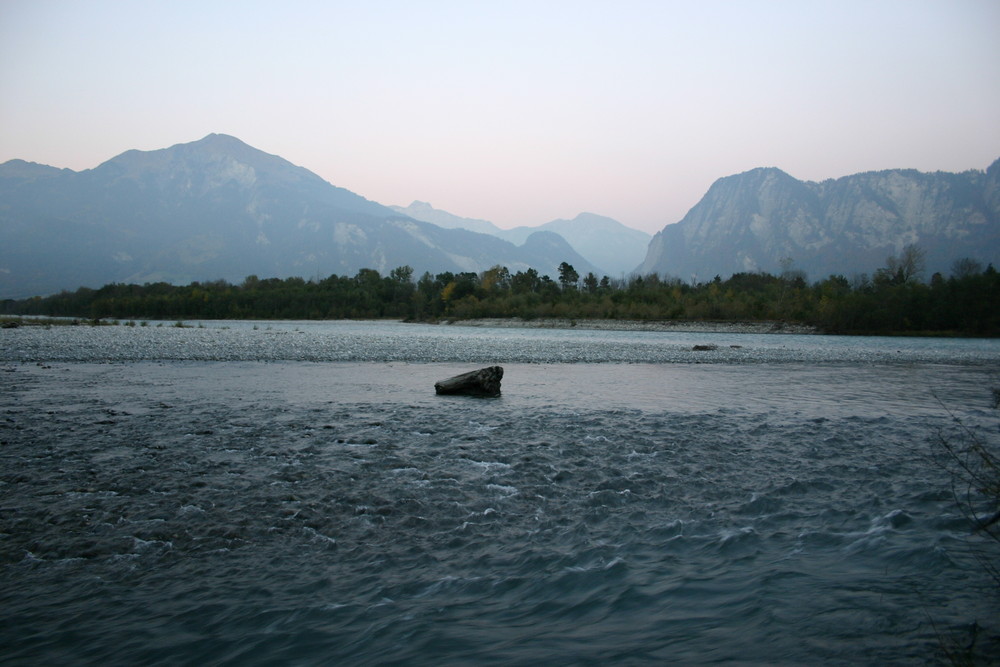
484 382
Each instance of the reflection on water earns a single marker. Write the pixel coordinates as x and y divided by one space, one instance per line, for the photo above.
802 390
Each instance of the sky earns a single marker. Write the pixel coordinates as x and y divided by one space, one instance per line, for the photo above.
514 112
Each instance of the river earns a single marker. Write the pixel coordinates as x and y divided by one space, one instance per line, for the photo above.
295 493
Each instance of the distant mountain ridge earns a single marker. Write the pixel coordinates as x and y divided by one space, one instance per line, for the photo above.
420 210
756 220
219 208
610 245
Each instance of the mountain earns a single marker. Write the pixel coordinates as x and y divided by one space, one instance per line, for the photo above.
218 208
420 210
757 220
605 242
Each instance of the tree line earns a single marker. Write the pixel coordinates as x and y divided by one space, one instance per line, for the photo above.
895 300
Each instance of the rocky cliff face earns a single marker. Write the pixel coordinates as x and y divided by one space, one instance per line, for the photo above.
757 220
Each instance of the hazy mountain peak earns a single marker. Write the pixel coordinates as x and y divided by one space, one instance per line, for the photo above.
224 145
213 148
221 140
421 210
591 222
606 242
24 169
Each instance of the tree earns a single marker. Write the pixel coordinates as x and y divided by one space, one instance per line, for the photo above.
907 268
524 282
568 277
965 267
790 274
402 274
495 278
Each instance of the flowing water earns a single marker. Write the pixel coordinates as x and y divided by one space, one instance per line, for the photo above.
295 493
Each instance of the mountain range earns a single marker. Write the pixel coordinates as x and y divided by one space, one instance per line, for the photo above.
765 220
220 209
609 244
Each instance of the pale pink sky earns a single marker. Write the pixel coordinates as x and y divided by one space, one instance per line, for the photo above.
516 112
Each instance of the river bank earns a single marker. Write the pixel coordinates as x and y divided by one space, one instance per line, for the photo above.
393 341
678 326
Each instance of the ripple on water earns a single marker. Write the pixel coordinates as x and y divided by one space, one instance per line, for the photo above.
331 512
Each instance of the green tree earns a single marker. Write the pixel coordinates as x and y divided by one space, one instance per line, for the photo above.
568 277
525 282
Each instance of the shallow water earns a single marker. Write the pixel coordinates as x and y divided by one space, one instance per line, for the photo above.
776 503
421 343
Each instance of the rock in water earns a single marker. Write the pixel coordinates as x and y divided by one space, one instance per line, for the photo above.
484 382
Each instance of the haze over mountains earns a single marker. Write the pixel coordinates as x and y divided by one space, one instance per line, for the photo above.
612 246
219 209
